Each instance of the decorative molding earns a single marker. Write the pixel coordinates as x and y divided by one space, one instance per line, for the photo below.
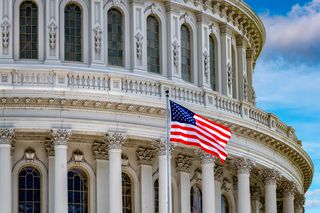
5 32
255 193
242 165
270 176
100 150
185 18
245 87
288 188
60 136
183 163
226 185
218 173
145 156
77 156
139 38
175 50
52 34
97 38
160 146
6 136
204 157
229 74
206 62
213 29
299 201
153 9
115 140
30 155
48 144
116 3
197 176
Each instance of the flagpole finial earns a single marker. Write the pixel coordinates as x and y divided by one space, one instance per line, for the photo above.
167 93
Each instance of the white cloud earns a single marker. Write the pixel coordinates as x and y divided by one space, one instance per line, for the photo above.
312 203
295 35
313 192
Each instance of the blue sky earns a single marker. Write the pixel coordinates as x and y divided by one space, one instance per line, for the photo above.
287 74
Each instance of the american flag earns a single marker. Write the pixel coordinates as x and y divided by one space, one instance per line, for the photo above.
190 128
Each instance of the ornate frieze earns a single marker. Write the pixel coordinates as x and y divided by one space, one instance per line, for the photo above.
115 140
100 150
299 201
270 176
60 136
97 38
218 173
145 156
52 34
139 38
183 163
243 165
160 146
6 136
288 188
5 33
204 157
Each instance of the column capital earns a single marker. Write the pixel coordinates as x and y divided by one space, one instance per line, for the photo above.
60 136
100 150
6 136
243 165
299 201
288 188
115 140
270 176
183 163
160 146
218 173
48 145
145 156
204 157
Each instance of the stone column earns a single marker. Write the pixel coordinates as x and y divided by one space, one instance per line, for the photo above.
100 152
270 177
207 161
183 164
50 151
299 203
145 158
161 147
6 138
255 199
218 178
288 189
115 142
243 167
60 139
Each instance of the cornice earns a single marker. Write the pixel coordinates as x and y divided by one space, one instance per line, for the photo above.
285 146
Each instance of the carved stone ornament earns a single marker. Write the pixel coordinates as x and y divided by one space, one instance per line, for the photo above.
229 74
218 173
48 144
6 136
176 47
100 150
97 38
213 29
139 38
245 87
30 155
77 156
116 2
288 188
270 176
60 136
185 18
197 176
255 193
52 34
153 8
145 156
5 33
204 157
183 163
206 63
226 185
299 201
160 146
115 140
243 165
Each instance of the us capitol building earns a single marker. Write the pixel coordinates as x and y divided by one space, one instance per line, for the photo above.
82 106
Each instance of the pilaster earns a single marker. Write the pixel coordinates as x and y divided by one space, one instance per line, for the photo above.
52 35
242 69
97 38
6 24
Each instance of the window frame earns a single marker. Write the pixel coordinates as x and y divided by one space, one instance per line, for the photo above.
191 80
159 45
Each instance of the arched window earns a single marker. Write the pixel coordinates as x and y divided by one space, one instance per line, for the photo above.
156 196
127 191
28 30
29 190
224 204
77 191
153 44
212 64
115 38
185 53
72 32
196 199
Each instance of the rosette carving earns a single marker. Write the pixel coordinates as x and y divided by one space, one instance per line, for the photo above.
60 136
270 176
243 165
115 140
145 156
100 150
6 136
183 163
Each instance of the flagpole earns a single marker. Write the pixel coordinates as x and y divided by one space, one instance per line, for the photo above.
167 154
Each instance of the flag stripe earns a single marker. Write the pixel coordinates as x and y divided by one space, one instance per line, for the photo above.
212 126
212 132
222 128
